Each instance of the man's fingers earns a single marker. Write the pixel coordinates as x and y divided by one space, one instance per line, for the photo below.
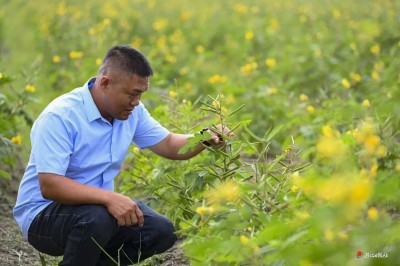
216 139
139 216
133 218
121 221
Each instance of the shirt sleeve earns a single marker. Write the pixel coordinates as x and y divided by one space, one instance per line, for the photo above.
51 144
148 132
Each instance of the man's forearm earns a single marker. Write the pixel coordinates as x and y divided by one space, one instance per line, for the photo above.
172 144
67 191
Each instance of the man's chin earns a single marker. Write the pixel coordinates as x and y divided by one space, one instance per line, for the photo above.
123 116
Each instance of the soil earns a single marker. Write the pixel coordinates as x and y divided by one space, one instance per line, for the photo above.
15 250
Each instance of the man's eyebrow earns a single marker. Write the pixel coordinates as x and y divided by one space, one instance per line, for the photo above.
138 90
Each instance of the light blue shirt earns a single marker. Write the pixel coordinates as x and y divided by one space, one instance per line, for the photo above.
72 139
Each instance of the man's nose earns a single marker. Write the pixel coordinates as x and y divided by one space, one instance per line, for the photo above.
135 101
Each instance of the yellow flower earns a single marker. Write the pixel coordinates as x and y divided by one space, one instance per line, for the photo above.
216 104
336 13
244 240
75 54
160 24
30 88
270 62
98 61
373 213
135 150
328 132
366 103
241 8
136 42
200 49
346 84
375 75
360 191
294 188
329 235
185 16
16 140
371 143
374 169
249 35
61 9
272 90
331 190
106 21
170 58
248 68
172 93
375 49
381 151
217 79
227 191
353 132
1 75
204 210
355 77
303 97
56 59
367 129
310 108
161 42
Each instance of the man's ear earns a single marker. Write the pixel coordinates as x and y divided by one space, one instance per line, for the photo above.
104 83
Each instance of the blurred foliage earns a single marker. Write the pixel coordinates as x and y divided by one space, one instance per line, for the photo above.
11 112
320 84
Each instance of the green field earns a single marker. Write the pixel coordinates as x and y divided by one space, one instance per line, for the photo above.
311 88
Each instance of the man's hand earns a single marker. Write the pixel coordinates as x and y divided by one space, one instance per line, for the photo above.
67 191
216 138
125 210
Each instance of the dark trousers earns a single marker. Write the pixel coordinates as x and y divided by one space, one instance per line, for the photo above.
69 230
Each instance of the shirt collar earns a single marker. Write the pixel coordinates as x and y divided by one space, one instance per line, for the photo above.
90 107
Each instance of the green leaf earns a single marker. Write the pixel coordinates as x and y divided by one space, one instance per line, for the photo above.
5 175
236 110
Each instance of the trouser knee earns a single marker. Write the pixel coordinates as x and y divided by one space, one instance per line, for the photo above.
99 224
164 236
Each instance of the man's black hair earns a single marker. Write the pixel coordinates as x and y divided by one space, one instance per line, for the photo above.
128 60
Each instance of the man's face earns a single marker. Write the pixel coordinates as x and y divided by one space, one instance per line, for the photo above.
121 94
